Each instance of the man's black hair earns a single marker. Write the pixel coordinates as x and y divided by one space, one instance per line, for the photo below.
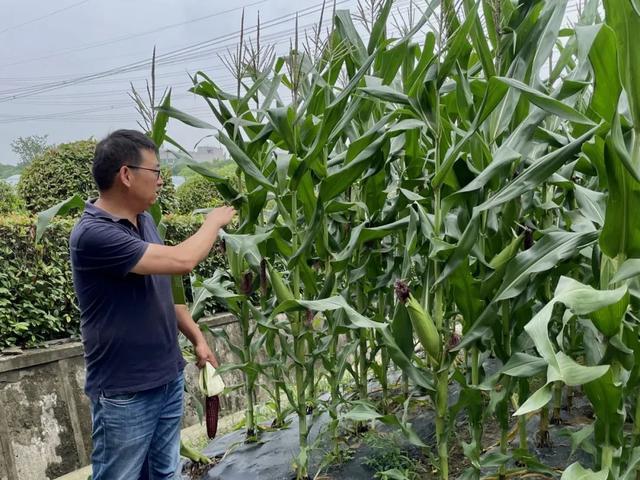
121 147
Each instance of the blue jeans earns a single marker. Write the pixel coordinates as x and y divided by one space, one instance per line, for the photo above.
137 430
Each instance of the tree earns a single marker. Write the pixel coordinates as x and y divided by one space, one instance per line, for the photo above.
57 174
27 148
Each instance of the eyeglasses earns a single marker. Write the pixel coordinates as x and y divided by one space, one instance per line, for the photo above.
156 171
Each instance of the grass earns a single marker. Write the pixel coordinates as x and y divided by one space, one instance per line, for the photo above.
388 460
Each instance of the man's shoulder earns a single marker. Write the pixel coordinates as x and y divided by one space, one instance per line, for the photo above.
90 226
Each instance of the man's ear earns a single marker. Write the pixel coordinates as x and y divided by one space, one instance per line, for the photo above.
125 176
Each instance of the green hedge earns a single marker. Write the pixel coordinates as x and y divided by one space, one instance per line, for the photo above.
167 196
37 301
10 202
197 192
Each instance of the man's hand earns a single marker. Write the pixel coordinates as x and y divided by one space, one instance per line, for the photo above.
204 355
191 330
222 215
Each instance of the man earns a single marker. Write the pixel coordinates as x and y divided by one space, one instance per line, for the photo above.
122 277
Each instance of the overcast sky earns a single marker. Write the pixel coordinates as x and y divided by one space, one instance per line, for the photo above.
45 43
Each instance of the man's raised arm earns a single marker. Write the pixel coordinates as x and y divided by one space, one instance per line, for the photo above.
183 258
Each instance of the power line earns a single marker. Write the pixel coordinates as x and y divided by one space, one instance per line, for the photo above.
101 112
120 93
273 39
66 115
104 114
163 28
174 56
275 35
108 112
50 14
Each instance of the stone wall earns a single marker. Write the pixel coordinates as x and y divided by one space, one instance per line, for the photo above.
45 419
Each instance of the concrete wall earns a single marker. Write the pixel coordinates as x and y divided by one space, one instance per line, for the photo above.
45 419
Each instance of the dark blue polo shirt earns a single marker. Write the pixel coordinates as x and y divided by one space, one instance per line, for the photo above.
128 321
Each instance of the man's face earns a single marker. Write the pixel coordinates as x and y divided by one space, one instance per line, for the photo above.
146 180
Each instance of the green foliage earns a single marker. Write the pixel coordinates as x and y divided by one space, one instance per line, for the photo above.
37 301
57 174
9 200
167 197
196 192
224 168
388 460
184 171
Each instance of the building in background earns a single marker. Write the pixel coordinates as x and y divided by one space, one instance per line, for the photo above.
209 154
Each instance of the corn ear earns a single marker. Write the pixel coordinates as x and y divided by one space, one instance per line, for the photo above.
283 293
212 411
425 328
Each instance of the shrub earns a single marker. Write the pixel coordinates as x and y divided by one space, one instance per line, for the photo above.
167 197
228 170
197 192
9 200
37 301
57 174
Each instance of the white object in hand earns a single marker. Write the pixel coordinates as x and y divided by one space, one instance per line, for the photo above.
210 382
